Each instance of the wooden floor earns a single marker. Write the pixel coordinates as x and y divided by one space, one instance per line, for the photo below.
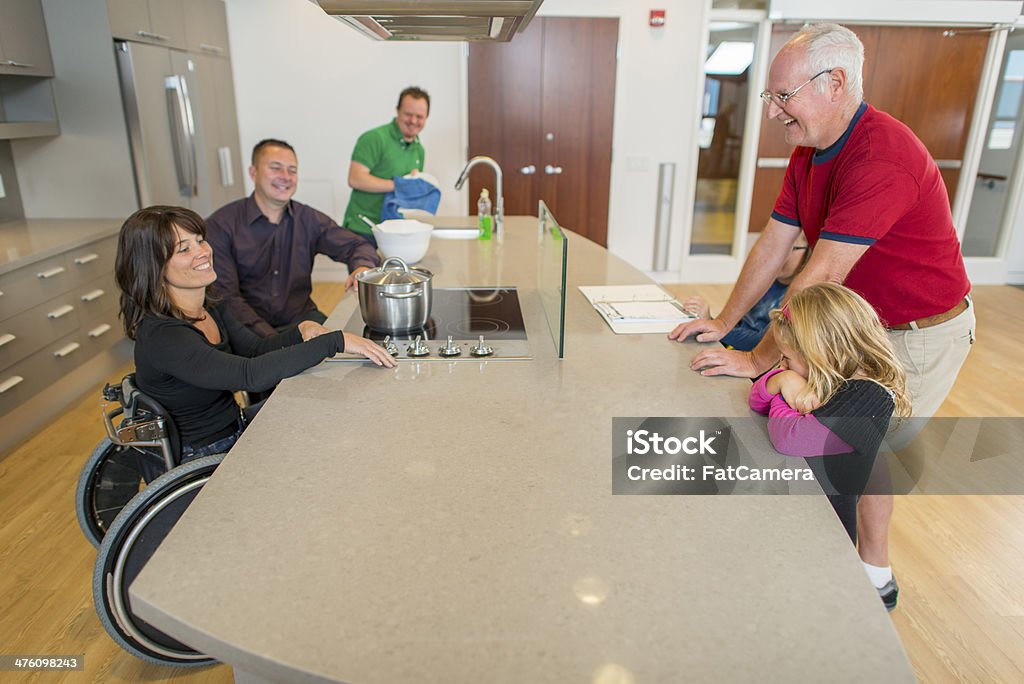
714 215
960 560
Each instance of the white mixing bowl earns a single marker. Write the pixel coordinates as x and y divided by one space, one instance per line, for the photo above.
404 238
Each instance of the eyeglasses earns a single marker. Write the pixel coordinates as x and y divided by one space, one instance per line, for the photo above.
780 99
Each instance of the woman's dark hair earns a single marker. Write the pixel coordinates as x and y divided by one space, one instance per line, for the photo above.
146 243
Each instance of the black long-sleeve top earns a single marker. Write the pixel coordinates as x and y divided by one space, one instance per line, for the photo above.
195 380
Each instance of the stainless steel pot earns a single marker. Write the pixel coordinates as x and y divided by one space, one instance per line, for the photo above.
395 297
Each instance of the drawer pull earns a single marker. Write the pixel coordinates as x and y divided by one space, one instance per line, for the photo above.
11 382
56 270
86 259
6 339
62 311
100 330
92 296
152 36
212 49
66 349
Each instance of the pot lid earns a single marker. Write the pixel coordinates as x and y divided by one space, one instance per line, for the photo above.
394 271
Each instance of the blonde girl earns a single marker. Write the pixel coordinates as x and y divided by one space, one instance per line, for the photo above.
836 388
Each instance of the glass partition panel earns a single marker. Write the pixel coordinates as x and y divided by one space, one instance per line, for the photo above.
554 247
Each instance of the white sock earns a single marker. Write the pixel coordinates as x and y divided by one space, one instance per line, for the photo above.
878 576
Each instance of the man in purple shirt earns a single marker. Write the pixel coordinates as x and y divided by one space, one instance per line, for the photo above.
264 246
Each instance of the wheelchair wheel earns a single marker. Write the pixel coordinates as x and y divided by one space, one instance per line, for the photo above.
108 482
130 542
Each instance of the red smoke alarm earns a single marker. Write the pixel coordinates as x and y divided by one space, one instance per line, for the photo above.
657 18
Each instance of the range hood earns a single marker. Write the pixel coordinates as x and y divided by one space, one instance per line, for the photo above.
434 20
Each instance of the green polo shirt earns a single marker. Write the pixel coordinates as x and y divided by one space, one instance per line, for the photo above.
386 154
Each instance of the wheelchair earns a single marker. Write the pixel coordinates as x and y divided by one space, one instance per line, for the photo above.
141 448
132 491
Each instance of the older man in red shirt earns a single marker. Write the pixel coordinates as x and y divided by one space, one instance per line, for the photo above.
870 200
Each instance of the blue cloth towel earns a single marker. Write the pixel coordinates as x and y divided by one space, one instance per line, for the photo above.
410 193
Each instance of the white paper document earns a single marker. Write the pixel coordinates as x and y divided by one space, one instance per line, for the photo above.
634 309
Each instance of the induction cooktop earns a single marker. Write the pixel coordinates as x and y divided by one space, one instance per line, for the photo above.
465 315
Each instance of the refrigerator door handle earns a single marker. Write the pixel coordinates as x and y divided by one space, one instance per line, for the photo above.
227 176
183 132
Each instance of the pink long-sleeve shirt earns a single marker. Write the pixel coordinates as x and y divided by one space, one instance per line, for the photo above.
793 433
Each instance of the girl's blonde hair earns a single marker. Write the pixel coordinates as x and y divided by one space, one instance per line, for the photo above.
839 335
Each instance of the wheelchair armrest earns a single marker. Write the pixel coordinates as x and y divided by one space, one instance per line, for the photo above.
150 432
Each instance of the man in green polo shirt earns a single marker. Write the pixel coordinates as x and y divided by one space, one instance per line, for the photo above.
383 153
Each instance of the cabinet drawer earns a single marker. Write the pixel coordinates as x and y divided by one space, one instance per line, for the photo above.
97 297
26 332
31 285
91 261
31 375
100 333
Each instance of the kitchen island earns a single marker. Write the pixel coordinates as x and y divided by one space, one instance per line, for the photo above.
454 522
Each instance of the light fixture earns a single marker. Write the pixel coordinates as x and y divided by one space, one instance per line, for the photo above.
730 58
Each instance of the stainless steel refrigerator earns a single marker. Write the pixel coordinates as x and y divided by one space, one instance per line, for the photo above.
182 126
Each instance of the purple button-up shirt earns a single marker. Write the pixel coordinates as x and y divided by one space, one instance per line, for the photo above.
263 269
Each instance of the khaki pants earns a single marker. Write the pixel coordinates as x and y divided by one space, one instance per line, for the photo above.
933 357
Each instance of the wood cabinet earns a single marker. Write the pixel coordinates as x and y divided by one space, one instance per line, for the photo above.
160 22
203 59
206 27
55 314
221 155
24 47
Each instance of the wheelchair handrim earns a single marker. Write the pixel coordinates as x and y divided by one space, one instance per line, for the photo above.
119 610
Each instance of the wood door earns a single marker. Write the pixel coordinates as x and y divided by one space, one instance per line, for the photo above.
926 80
546 100
504 116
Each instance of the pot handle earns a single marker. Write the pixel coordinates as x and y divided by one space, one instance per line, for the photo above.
398 260
401 295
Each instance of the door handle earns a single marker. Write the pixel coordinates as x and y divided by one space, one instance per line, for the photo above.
227 176
183 130
93 295
528 170
66 349
153 36
56 270
552 170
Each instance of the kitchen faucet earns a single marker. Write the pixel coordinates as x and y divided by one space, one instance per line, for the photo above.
499 205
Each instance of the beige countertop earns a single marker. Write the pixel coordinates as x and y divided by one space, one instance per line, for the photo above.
25 241
454 522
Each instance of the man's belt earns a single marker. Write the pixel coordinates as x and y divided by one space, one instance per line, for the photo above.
929 321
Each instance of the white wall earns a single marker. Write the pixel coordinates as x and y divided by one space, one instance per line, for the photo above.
305 77
655 119
313 81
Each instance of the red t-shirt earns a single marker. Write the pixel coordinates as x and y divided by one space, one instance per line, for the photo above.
878 185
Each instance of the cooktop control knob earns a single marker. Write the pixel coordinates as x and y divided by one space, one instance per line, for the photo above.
389 346
418 348
450 349
481 348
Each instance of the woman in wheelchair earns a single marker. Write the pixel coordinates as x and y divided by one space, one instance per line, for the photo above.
191 355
